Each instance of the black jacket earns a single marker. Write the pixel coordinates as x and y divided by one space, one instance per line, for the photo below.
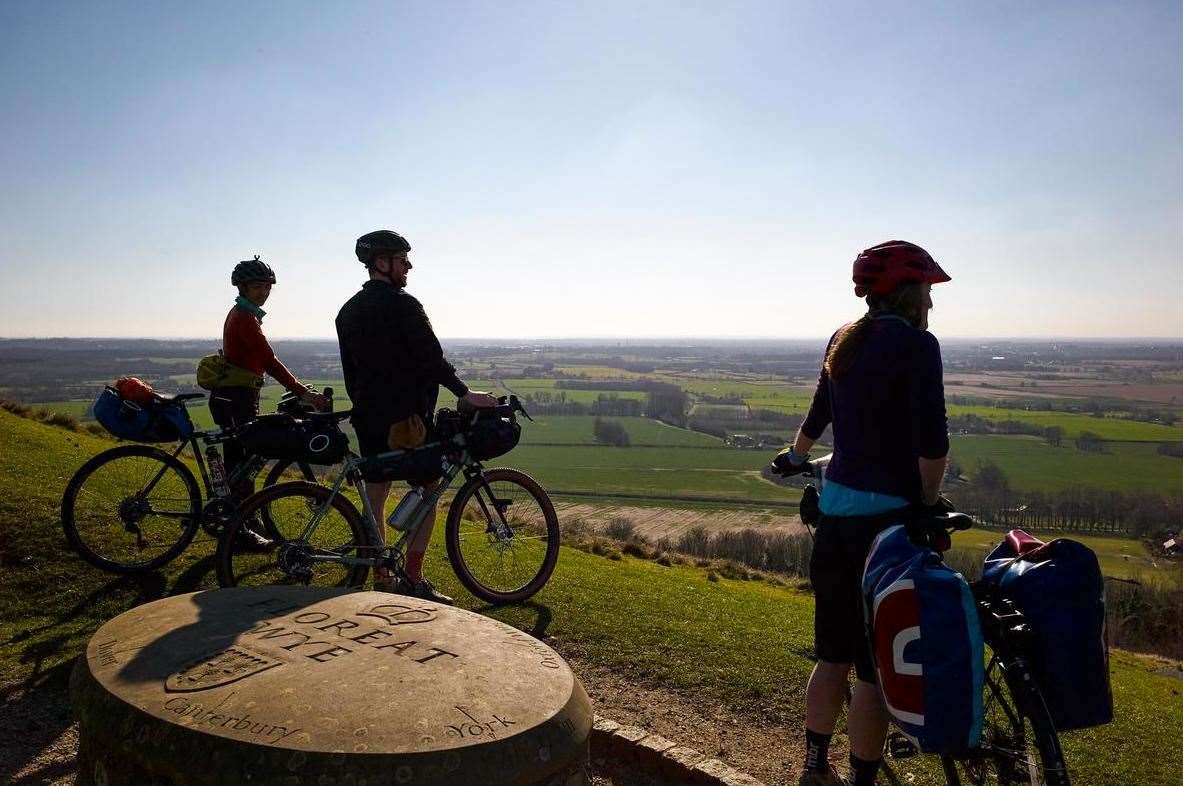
392 361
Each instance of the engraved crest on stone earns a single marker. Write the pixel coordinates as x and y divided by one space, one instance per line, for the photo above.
398 613
220 668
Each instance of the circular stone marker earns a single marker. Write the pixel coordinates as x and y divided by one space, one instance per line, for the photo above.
295 685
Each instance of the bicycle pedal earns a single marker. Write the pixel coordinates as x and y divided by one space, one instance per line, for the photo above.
900 747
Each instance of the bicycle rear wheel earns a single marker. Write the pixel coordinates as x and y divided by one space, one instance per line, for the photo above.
502 536
1019 740
131 509
322 559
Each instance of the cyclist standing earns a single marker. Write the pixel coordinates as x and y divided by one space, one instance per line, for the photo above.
248 352
393 366
882 392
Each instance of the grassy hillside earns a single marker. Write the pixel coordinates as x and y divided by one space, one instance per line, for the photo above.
746 645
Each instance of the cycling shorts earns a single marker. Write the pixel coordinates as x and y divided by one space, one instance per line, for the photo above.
840 550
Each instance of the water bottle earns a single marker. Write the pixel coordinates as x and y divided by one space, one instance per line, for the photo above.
217 471
400 518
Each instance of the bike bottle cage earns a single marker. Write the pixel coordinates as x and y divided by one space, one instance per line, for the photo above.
1022 543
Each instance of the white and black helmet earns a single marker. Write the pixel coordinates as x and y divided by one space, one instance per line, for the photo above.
380 242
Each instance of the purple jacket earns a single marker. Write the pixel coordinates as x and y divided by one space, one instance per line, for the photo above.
886 411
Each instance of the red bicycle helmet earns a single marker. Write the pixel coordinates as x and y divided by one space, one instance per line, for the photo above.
882 268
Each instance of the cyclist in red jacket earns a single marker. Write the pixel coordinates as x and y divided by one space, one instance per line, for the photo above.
247 349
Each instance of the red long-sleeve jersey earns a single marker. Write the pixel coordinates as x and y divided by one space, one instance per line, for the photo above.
245 346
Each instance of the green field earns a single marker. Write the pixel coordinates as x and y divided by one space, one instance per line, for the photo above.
743 645
577 430
697 472
1029 463
1119 429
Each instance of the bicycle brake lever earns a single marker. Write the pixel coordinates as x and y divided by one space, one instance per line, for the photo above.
516 404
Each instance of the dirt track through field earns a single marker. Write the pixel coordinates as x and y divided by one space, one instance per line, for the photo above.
656 523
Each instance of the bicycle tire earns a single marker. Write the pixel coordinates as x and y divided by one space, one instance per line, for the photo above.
1019 741
275 477
102 545
463 541
293 504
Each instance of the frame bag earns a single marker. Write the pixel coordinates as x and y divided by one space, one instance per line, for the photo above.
155 421
927 643
1060 591
284 437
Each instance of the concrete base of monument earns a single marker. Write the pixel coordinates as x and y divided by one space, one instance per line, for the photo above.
294 686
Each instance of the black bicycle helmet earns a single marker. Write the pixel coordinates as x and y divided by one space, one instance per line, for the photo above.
381 242
252 270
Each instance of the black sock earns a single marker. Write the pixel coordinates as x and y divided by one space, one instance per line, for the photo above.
817 750
863 772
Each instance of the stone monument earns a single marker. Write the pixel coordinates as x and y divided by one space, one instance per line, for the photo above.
298 686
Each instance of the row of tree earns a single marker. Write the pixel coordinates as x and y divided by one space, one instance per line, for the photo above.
990 498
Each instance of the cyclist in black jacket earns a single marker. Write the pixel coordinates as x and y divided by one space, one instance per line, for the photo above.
394 366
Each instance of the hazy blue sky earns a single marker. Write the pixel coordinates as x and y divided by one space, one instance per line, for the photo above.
592 169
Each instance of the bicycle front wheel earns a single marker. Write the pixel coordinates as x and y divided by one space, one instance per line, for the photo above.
316 538
1019 740
131 509
280 472
502 536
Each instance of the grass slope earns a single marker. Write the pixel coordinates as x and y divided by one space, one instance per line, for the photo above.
743 644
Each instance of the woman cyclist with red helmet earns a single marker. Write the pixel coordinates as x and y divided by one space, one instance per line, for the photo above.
881 392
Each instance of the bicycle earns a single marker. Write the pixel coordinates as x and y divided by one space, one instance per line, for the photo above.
1020 743
501 531
134 508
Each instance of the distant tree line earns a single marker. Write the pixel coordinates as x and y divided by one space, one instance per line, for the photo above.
990 498
1173 449
1097 407
546 403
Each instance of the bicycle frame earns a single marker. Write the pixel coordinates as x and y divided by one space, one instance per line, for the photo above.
391 553
350 470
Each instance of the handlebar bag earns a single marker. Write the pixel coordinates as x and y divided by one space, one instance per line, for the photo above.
284 437
1060 591
926 641
494 433
154 421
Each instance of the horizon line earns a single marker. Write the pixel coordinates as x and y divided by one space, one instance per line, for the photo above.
610 338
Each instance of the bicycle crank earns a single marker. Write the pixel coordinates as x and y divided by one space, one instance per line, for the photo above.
292 558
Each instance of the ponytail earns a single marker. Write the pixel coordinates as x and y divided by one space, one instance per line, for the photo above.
909 301
846 347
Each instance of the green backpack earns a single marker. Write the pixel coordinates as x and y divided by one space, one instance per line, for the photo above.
214 371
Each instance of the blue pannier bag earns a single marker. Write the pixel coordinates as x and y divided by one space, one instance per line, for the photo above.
160 421
927 643
1059 589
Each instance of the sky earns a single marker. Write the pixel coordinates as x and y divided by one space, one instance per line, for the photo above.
632 169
